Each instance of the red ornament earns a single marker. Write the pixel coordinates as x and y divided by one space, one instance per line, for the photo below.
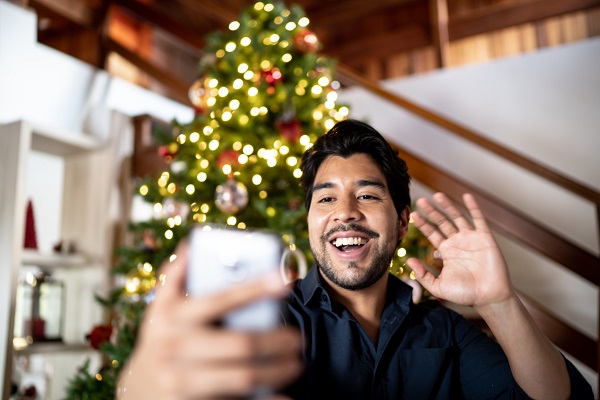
290 129
99 335
166 153
30 234
306 41
230 157
272 76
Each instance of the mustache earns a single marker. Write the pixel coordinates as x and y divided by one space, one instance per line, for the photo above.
350 227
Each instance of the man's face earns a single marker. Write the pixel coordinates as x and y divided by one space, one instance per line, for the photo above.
352 223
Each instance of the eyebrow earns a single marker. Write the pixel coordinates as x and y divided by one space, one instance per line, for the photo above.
360 183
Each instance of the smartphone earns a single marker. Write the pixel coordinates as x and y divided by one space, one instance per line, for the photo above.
222 256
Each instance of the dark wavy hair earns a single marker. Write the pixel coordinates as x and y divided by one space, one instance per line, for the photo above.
351 137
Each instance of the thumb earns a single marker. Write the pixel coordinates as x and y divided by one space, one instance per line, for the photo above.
422 275
172 274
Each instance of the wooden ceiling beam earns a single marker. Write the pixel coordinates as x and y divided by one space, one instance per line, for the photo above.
503 15
177 86
158 19
335 13
80 15
211 9
382 45
439 30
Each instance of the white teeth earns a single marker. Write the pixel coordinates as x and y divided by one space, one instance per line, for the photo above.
348 241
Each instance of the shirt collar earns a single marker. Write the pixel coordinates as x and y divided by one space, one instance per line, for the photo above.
312 286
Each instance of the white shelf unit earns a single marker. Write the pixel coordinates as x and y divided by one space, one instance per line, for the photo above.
84 220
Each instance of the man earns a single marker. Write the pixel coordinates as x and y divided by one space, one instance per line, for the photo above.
361 336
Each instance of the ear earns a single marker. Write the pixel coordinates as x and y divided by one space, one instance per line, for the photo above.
403 219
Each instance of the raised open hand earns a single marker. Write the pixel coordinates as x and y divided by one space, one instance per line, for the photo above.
474 272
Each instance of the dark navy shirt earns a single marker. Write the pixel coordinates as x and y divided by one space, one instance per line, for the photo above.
424 351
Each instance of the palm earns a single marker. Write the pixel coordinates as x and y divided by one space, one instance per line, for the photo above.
474 272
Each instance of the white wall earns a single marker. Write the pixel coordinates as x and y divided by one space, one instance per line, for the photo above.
542 104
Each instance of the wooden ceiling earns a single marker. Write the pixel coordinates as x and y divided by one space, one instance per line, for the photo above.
358 33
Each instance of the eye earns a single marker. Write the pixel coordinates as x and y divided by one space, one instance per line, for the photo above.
325 200
367 197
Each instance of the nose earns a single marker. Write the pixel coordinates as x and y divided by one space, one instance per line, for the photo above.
347 209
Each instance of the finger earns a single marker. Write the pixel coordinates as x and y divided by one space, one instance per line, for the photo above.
476 213
422 275
213 307
239 379
219 345
172 274
458 218
428 230
436 217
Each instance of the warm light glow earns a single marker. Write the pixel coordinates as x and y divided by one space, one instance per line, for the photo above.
323 81
257 179
169 234
297 173
229 47
231 220
304 140
201 177
143 190
234 25
290 26
401 252
292 161
303 22
245 41
248 149
237 84
190 189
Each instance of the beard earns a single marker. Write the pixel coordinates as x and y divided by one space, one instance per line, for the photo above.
379 265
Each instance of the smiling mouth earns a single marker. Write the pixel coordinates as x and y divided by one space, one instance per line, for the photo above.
348 243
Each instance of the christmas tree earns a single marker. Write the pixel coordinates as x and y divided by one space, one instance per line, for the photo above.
263 96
